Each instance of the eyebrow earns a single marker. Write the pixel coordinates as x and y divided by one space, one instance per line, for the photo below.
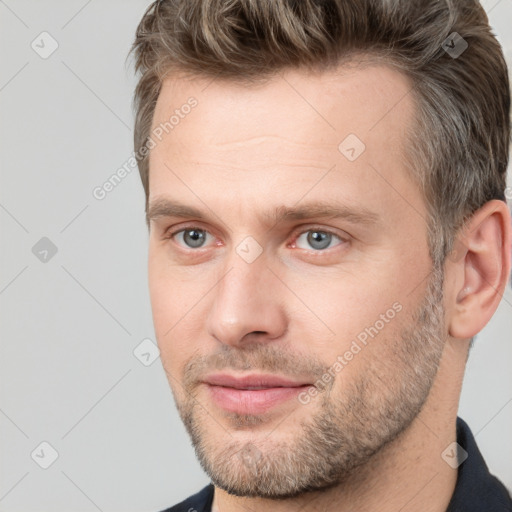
164 207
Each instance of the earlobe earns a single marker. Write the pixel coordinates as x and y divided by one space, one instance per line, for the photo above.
482 268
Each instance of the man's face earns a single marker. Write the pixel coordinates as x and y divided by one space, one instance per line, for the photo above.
296 346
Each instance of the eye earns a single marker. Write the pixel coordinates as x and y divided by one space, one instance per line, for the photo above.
317 239
192 238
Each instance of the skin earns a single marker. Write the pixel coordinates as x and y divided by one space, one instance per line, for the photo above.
244 150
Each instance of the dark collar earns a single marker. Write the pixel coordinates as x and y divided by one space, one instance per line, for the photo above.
476 489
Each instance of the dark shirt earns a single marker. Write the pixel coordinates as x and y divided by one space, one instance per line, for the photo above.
476 489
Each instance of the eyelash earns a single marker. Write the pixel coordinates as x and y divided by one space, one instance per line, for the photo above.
171 234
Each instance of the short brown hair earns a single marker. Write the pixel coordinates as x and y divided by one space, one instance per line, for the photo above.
458 149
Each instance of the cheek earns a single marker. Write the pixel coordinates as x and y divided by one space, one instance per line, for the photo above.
366 313
337 307
171 317
162 303
168 296
172 307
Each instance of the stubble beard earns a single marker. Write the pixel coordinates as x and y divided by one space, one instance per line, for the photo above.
346 428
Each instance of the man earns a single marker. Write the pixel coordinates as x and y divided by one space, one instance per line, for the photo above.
325 196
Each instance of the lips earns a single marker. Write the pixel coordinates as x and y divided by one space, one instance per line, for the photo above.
252 394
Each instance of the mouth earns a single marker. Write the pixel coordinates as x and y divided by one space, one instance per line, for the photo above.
252 394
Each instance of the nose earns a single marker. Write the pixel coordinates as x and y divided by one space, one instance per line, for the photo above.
247 304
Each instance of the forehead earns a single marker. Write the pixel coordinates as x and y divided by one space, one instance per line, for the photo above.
357 90
294 107
287 132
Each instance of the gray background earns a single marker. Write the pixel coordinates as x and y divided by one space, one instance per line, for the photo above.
70 324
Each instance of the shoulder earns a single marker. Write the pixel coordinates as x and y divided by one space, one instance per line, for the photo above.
199 502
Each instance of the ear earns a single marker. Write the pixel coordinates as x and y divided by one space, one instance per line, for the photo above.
481 264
